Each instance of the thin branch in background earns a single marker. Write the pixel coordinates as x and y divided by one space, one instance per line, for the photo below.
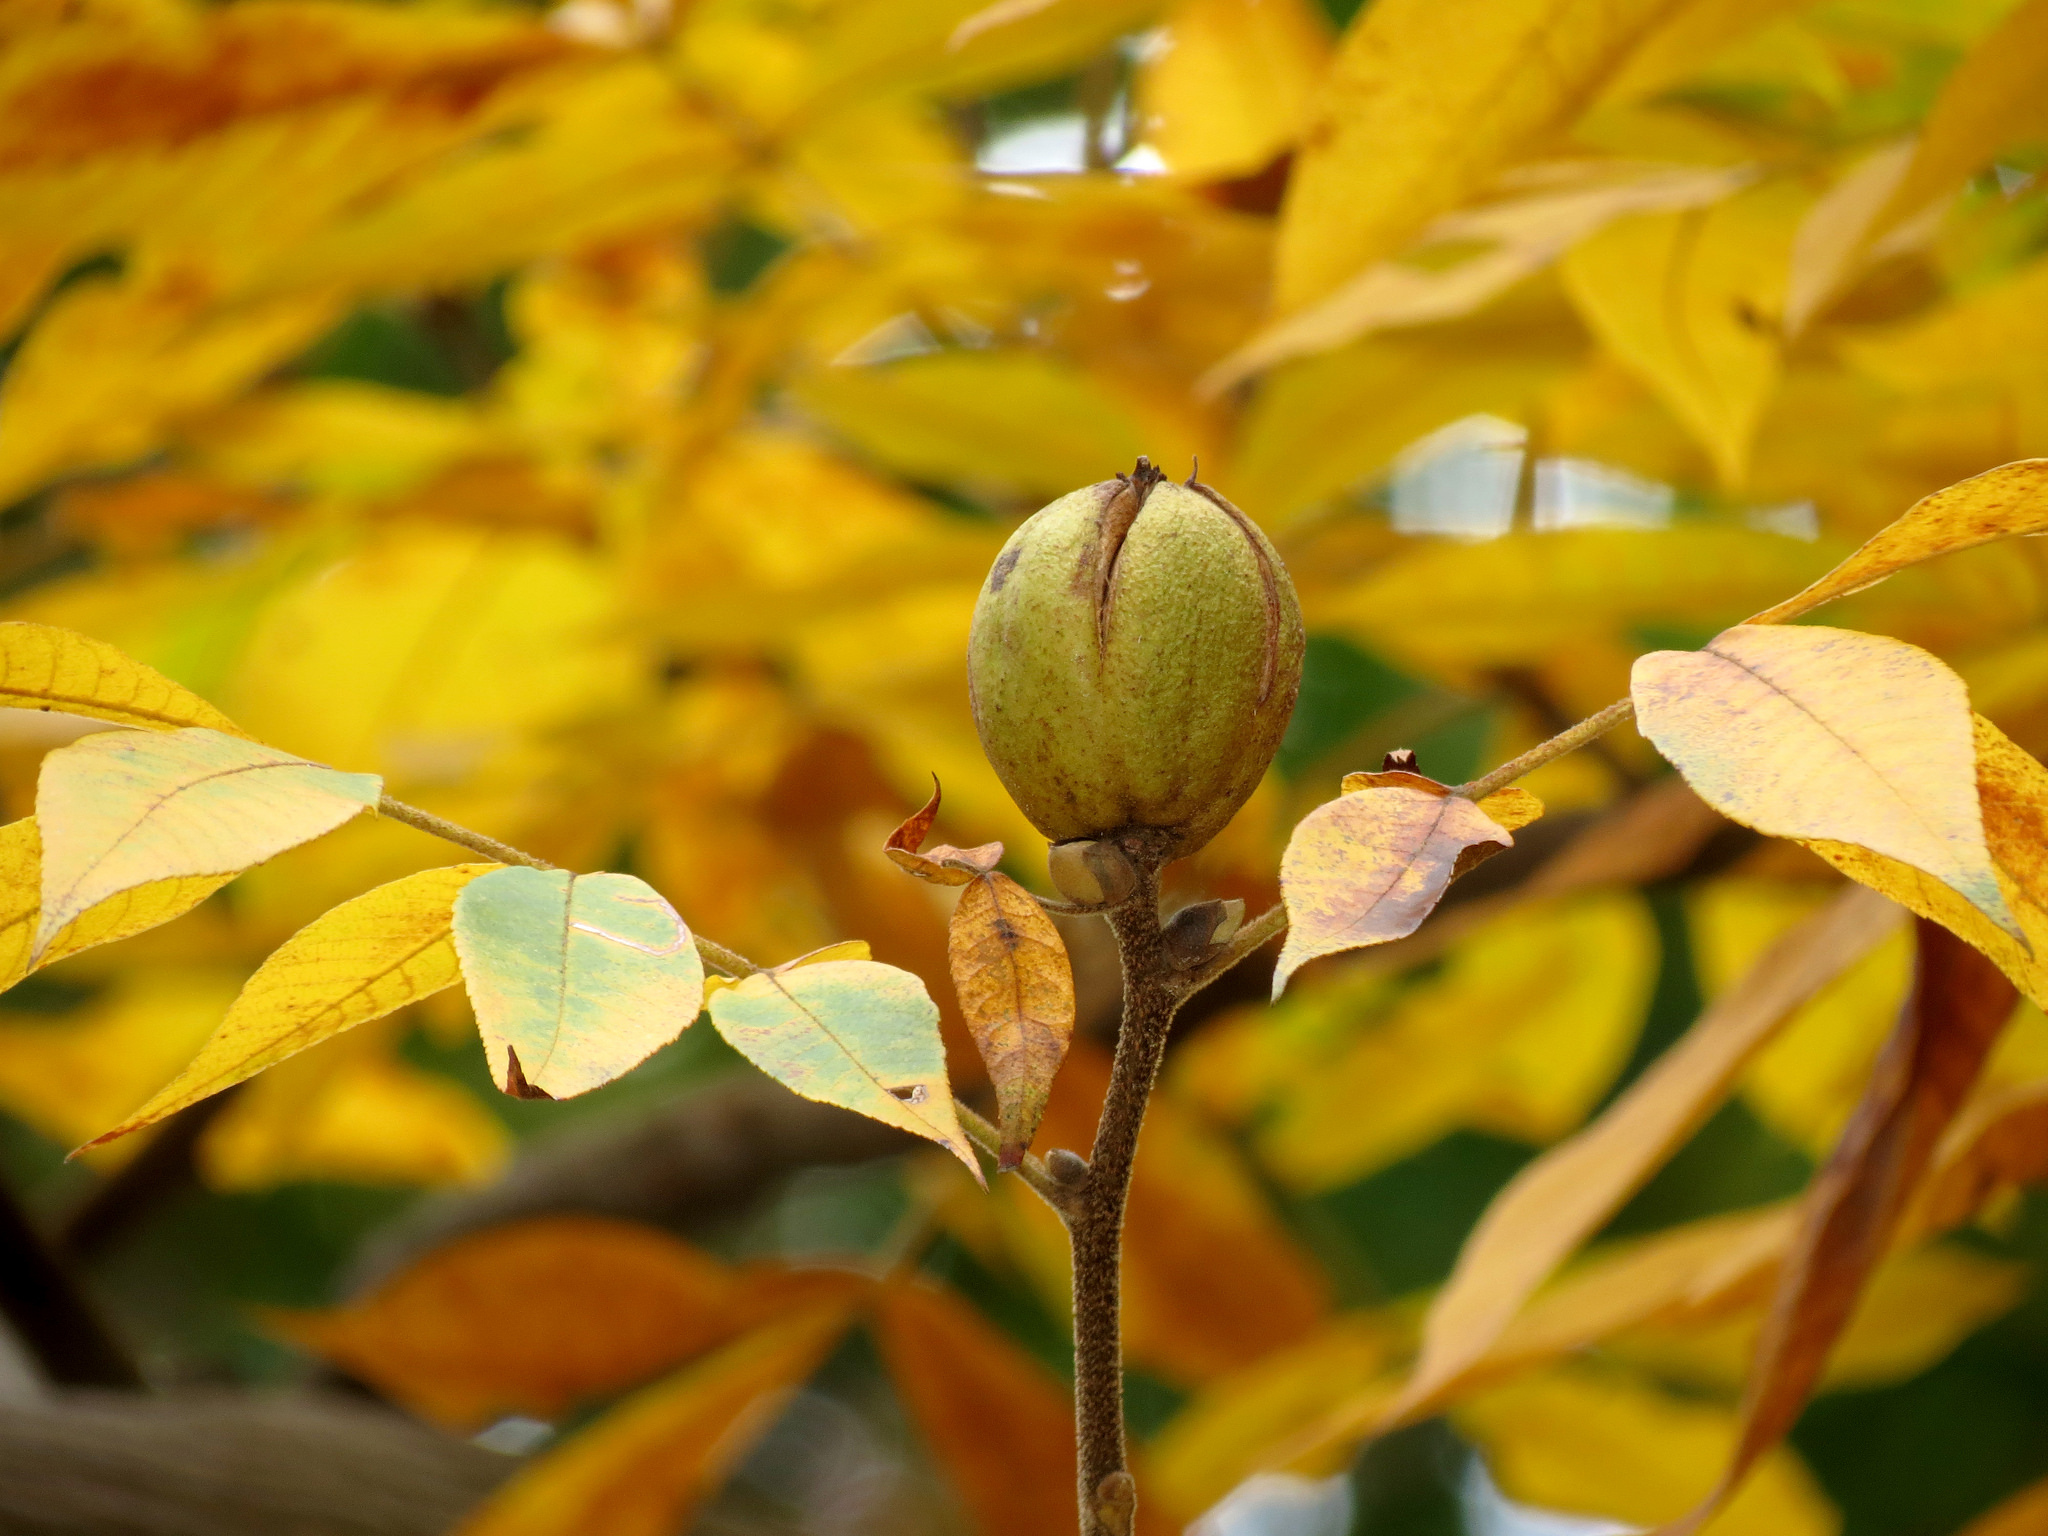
162 1171
49 1310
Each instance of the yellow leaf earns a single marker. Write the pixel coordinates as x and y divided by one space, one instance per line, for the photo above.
435 653
1447 606
2012 793
1240 1423
853 1033
386 948
1408 128
1826 733
1230 83
1990 100
1594 1442
1514 237
1017 990
1804 1083
69 1076
646 1466
1369 866
574 978
347 1111
533 1317
1566 1195
44 668
124 809
118 917
2001 503
1525 1025
1693 35
104 375
1008 420
1689 300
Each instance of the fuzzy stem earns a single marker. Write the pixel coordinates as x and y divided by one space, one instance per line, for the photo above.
1151 995
1032 1170
1589 729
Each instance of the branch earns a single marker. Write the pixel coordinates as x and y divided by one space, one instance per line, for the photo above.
729 961
49 1309
1061 1197
1589 729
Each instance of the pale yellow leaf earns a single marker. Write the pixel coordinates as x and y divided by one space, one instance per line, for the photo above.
123 809
386 948
1827 733
574 978
2012 791
130 912
1689 300
1409 127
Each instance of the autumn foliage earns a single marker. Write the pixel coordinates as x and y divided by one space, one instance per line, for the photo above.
1607 1070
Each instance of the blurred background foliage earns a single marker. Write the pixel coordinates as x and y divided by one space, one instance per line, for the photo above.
598 421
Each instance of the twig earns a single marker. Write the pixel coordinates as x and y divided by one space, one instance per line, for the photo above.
1589 729
1032 1170
1152 992
726 960
50 1311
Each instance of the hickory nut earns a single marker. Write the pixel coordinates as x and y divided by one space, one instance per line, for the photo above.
1135 655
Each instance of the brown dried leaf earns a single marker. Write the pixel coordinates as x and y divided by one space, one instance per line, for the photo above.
1998 1142
1017 990
1960 1003
945 864
1368 866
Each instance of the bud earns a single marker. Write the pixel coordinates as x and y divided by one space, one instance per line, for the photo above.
1092 872
1135 656
1192 932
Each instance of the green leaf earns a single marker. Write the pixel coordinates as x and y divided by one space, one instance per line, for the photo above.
125 808
574 978
854 1033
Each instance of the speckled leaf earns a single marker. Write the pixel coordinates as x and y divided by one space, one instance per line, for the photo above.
2001 503
1827 733
574 978
1368 866
854 1033
358 962
125 808
1017 990
46 668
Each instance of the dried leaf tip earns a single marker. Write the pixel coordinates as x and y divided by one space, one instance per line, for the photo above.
515 1079
1400 760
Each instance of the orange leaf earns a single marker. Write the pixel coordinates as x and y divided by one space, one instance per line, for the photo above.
530 1318
1017 991
1999 1141
1368 866
996 1420
643 1469
945 864
2024 1514
1569 1193
1960 1004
